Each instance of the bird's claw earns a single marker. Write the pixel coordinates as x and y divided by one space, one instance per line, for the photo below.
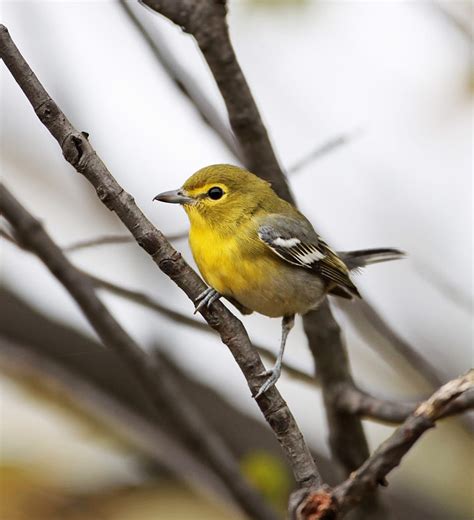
206 299
274 374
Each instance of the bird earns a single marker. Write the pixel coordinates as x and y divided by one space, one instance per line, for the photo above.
260 253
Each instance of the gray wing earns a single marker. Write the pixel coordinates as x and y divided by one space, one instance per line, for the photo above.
296 242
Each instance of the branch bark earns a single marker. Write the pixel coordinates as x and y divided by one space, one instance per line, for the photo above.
78 151
326 503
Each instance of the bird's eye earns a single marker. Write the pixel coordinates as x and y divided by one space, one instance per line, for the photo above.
215 193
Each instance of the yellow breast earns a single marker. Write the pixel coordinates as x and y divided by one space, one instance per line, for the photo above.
221 262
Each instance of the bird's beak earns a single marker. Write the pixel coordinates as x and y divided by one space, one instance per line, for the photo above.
174 197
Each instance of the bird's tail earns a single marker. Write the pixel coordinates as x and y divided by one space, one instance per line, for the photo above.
363 257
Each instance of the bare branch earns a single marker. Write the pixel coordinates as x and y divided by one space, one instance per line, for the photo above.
78 151
346 435
326 503
142 432
110 240
356 401
322 149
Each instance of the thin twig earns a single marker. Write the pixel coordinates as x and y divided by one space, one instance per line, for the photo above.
183 79
323 149
326 503
110 240
78 151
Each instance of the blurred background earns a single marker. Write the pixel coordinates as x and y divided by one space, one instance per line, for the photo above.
369 107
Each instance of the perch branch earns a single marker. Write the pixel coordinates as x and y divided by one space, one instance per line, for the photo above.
78 151
159 386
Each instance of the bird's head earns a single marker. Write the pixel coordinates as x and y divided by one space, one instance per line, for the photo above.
219 194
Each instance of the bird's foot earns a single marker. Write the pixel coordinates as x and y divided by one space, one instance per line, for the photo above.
274 374
206 299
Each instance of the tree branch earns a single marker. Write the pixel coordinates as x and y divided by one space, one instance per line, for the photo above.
356 401
78 151
326 503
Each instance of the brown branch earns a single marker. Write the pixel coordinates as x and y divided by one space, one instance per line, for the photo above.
78 151
142 432
346 436
355 401
326 503
205 20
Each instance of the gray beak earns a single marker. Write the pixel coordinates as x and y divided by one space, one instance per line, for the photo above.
174 197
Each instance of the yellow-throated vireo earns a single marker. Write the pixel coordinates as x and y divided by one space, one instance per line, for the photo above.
260 252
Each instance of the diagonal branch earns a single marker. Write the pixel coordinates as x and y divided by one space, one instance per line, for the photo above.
356 401
160 387
326 503
78 151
